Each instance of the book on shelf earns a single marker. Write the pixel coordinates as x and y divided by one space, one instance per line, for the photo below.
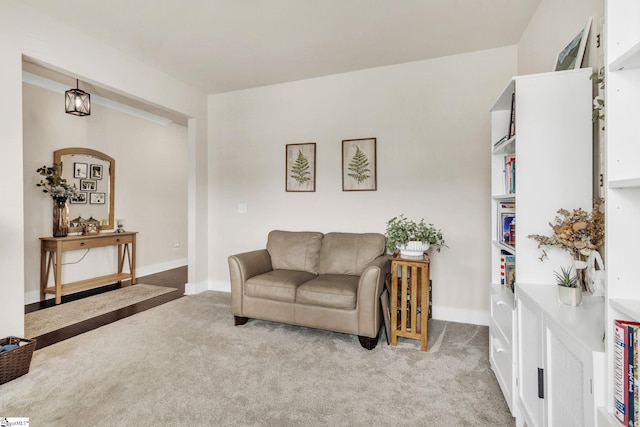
625 375
510 174
507 223
507 269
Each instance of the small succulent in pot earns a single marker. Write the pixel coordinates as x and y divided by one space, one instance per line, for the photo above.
401 230
565 278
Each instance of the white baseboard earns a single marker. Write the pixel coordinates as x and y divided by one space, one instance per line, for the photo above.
473 317
34 296
157 268
210 285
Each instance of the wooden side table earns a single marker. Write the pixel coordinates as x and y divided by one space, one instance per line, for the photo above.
410 292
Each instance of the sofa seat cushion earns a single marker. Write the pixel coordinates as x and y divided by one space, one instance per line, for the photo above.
279 285
294 250
329 290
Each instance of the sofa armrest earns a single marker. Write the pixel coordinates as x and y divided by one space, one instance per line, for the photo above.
370 288
242 267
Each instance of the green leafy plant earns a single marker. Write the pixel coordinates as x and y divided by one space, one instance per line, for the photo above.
401 230
54 184
565 278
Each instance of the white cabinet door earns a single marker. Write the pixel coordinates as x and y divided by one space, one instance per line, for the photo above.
530 363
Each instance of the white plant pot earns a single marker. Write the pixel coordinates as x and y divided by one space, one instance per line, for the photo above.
570 296
414 248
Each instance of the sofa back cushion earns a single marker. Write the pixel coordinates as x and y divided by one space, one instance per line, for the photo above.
295 250
349 253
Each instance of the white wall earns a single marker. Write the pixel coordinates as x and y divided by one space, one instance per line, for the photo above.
431 121
24 31
552 27
150 189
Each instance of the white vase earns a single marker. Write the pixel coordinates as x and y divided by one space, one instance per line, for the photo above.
414 248
570 296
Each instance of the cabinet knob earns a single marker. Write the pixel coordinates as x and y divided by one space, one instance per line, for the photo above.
118 240
81 243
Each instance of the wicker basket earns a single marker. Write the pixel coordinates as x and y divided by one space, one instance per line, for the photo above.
15 363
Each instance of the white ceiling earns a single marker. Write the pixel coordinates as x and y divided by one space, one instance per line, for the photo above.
224 45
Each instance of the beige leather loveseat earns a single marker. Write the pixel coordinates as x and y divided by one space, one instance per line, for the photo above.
328 281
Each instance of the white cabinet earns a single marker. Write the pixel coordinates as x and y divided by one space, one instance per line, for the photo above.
552 147
560 358
622 199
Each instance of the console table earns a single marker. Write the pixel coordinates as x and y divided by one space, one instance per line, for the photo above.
410 292
51 249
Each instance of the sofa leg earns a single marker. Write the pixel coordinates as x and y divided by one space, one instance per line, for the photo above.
368 342
239 320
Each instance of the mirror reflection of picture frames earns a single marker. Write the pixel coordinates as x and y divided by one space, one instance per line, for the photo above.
359 170
95 172
570 58
88 185
79 170
79 198
97 198
300 171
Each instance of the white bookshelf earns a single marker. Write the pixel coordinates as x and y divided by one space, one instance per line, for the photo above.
622 197
553 150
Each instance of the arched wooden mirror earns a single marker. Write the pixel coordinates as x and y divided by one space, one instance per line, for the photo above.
93 173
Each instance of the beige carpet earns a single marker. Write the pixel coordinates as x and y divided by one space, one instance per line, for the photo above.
50 319
183 363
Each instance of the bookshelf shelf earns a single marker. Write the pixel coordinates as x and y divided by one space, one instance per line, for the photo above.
506 147
629 308
628 60
624 183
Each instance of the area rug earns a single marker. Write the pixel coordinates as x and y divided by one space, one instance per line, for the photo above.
184 363
50 319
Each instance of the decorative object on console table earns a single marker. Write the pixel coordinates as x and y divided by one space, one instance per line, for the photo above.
579 233
60 191
120 223
412 238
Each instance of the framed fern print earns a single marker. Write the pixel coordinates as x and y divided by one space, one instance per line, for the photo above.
359 165
301 167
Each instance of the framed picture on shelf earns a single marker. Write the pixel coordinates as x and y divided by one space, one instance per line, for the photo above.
79 198
512 119
97 198
96 171
570 58
300 170
79 170
359 171
88 185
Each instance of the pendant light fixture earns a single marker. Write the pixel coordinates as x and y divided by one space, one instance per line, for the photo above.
77 102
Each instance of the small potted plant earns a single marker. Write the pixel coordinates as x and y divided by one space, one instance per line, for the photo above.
412 238
569 292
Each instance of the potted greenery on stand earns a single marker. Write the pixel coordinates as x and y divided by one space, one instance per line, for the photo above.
569 292
412 238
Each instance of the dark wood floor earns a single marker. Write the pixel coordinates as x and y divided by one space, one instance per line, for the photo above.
175 278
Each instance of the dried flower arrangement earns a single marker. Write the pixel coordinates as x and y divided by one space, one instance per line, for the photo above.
578 232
